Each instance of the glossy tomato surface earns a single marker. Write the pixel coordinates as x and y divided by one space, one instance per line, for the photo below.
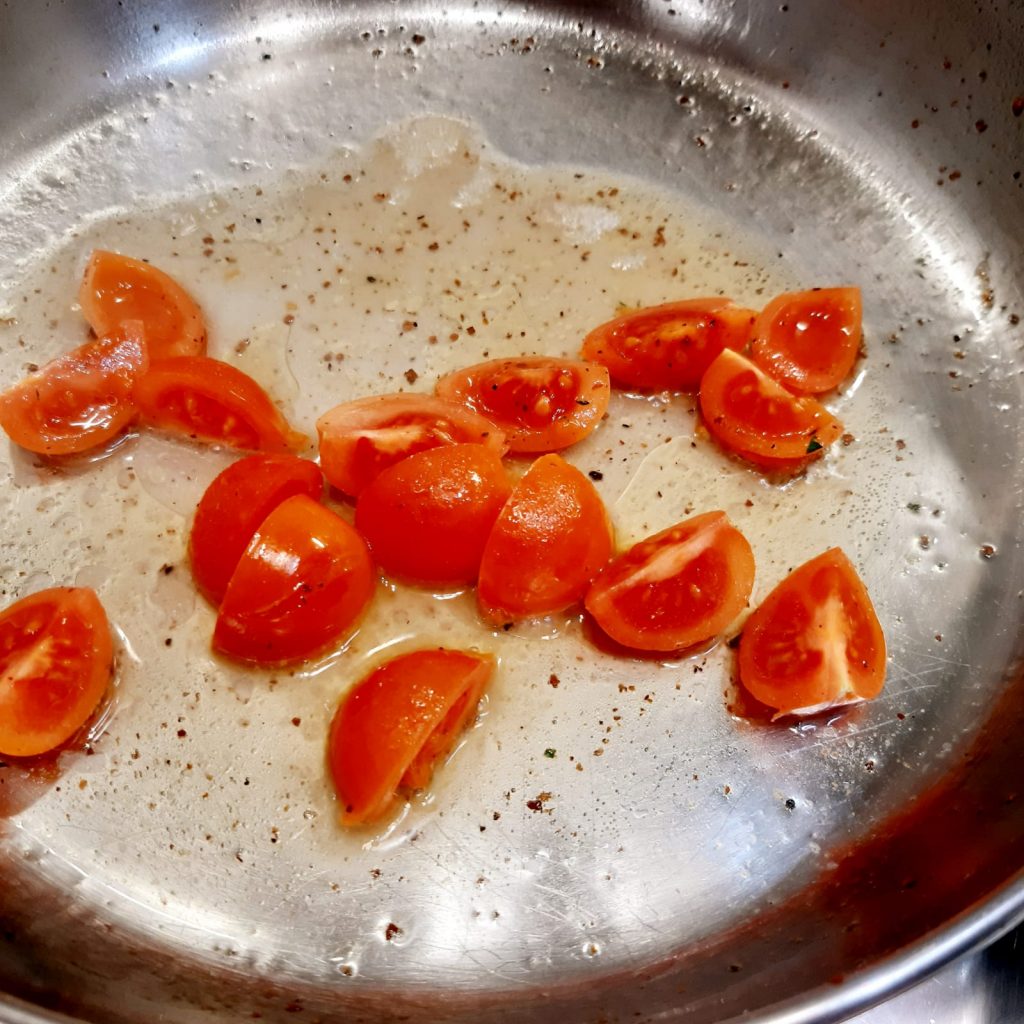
428 517
809 340
542 404
551 539
668 347
301 585
79 400
756 418
360 439
117 288
208 400
676 589
815 641
398 723
56 662
233 507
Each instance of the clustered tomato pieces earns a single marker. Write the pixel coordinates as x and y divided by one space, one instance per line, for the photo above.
436 505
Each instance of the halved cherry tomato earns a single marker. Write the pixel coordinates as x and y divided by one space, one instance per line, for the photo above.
213 401
56 661
541 404
676 589
116 288
668 347
815 641
398 723
80 399
360 439
809 340
549 542
427 518
233 507
302 584
756 417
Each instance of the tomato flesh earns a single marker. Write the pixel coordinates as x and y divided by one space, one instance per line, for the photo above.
56 662
398 722
428 517
809 340
757 418
676 589
302 583
208 400
542 404
360 439
549 542
79 400
815 641
233 507
668 347
117 288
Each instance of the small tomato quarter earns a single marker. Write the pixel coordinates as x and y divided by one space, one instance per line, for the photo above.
117 288
549 542
79 400
208 400
56 662
668 347
233 507
809 341
815 641
542 404
360 439
302 584
676 589
395 725
755 417
428 517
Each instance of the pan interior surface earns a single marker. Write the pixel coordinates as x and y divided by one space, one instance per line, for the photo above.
364 197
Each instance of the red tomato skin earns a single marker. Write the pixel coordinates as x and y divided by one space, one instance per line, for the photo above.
428 517
550 541
116 288
79 400
56 663
668 347
541 403
360 439
232 509
790 643
390 717
756 418
209 400
302 584
809 341
701 572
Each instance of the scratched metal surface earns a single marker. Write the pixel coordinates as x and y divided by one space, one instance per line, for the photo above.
677 882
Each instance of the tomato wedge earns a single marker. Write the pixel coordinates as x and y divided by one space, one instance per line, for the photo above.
542 404
396 724
809 340
233 507
757 418
549 542
676 589
79 400
428 517
213 401
815 641
360 439
301 585
56 662
117 288
668 347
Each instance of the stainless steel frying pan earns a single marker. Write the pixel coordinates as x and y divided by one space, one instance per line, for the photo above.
708 869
